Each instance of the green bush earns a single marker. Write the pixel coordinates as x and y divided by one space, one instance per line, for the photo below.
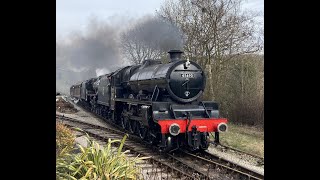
99 163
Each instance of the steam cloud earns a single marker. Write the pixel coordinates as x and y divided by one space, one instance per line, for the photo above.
97 51
86 56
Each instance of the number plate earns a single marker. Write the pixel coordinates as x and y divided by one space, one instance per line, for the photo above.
187 75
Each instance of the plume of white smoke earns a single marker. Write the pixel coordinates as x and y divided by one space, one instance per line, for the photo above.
97 51
102 71
84 55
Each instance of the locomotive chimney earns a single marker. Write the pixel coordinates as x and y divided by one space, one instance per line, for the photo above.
175 55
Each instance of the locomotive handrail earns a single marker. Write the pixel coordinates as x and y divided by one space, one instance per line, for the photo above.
156 90
133 101
205 108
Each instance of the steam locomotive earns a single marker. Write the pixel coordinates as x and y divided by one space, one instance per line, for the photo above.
158 102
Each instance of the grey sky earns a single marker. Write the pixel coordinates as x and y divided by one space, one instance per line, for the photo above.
73 15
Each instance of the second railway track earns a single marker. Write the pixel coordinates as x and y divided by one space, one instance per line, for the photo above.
252 159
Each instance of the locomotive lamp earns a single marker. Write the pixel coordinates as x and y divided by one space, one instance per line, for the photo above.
174 129
222 127
187 64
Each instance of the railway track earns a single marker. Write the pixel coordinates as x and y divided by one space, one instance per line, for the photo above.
253 158
240 151
181 164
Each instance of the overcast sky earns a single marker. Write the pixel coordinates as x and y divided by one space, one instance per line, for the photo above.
73 15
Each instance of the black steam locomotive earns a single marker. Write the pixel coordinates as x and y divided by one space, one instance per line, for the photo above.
158 102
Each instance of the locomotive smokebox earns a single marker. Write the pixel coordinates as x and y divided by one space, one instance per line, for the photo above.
175 55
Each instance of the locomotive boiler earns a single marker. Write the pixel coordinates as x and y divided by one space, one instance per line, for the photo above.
181 80
158 102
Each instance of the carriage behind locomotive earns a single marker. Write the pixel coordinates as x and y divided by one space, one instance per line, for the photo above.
158 102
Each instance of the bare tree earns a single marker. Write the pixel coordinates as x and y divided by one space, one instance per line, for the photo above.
242 95
221 37
216 31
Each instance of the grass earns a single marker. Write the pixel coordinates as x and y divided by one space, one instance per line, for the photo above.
245 138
